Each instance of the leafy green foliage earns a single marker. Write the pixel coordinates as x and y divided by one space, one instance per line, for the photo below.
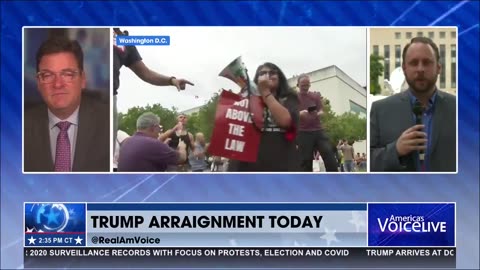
376 70
346 126
128 121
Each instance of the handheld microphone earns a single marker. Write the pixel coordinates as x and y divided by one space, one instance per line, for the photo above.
418 111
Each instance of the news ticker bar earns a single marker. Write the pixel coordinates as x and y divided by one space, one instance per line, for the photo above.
239 224
246 257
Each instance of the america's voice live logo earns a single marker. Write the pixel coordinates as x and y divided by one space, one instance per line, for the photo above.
411 224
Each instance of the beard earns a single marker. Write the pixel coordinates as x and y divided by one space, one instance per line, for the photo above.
422 84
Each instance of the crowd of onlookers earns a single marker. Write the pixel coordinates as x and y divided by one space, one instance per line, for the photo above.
292 138
198 159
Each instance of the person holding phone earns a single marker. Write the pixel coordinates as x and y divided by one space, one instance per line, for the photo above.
311 136
179 133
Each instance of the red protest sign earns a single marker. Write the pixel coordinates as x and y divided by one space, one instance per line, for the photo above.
235 135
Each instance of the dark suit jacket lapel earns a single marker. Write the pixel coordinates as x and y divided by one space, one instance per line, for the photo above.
85 134
405 110
406 121
437 118
39 140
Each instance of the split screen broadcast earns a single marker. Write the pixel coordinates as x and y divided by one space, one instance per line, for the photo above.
240 99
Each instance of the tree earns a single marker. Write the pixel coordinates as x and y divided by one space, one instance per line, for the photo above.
128 121
376 70
206 117
192 124
349 126
202 121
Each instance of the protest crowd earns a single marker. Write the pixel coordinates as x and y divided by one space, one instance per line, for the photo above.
266 127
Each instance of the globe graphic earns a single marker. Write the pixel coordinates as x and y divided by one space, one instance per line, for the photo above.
51 217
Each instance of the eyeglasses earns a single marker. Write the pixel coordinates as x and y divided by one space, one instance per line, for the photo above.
160 127
269 72
49 77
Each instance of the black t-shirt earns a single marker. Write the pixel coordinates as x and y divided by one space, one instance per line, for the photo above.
123 56
175 140
275 153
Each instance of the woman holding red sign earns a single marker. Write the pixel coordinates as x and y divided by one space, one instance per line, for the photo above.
277 150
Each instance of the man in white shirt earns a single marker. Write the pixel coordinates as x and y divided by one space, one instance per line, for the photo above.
70 130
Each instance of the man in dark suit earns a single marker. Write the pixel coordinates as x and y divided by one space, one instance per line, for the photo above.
70 130
415 130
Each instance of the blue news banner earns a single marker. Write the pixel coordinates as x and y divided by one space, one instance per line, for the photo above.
239 235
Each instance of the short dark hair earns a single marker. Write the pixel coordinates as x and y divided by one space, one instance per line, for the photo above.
423 40
60 44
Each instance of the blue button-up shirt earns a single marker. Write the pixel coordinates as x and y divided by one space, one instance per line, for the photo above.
427 121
